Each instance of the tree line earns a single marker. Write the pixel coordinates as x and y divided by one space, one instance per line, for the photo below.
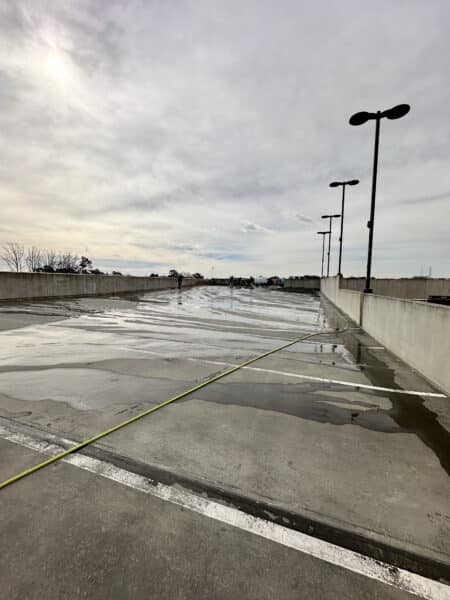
36 260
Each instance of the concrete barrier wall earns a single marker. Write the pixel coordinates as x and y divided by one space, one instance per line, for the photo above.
294 285
417 332
329 287
348 301
18 286
417 288
351 304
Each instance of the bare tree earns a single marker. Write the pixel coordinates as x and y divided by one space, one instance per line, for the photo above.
34 259
50 260
67 262
12 254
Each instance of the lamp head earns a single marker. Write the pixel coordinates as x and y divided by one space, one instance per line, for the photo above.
397 112
360 118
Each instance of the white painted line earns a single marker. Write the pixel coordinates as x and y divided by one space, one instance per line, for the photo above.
330 553
324 379
144 351
349 383
365 386
212 362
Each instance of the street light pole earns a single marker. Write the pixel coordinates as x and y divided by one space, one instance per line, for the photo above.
323 250
343 184
359 118
342 231
331 217
329 248
370 224
323 234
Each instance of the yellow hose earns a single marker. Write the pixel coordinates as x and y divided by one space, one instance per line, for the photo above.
103 434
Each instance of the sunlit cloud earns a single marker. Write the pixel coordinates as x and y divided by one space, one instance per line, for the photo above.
248 227
56 67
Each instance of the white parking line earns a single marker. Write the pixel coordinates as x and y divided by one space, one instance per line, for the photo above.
325 551
365 386
350 383
325 380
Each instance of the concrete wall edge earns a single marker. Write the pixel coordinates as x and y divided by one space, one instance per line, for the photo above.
417 332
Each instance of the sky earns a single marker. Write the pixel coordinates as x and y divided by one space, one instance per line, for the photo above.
202 135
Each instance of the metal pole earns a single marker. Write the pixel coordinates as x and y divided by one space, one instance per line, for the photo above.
370 224
323 250
342 230
329 248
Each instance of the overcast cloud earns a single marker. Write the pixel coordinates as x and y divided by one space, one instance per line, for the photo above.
200 134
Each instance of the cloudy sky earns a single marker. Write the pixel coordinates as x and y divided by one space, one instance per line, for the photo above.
203 134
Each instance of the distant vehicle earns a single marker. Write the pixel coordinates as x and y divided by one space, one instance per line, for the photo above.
274 280
260 280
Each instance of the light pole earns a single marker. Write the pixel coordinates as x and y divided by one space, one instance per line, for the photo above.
360 118
323 234
343 184
331 217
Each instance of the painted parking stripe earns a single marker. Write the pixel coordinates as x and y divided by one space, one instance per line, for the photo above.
325 551
351 383
325 380
365 386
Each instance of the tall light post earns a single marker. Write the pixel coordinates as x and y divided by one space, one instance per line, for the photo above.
360 118
342 184
331 217
323 234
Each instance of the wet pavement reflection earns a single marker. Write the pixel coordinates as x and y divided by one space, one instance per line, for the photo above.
88 357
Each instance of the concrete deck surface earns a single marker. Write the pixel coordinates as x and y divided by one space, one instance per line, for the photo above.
76 536
302 432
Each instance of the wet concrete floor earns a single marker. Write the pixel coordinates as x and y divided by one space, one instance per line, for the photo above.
303 430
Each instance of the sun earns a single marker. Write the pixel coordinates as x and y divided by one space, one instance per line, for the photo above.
56 67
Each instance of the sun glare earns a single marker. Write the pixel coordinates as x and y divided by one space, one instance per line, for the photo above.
56 67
